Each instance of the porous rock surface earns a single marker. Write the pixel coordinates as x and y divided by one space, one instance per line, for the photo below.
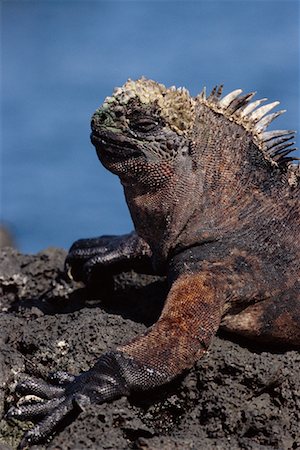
239 396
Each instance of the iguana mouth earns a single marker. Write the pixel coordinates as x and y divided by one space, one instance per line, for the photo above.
114 144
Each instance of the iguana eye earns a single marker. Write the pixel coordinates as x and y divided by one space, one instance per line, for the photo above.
145 124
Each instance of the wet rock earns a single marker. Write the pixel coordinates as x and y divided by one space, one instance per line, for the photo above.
237 397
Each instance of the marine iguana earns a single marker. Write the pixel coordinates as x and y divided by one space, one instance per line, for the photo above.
214 198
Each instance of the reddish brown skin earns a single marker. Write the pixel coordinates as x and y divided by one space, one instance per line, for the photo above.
240 218
174 342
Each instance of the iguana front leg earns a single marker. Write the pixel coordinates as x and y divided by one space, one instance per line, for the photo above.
87 258
183 333
189 320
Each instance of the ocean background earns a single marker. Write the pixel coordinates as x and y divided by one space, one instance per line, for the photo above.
59 60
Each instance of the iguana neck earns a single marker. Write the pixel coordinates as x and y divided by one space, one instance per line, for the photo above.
160 215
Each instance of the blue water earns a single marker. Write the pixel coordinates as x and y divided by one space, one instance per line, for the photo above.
59 61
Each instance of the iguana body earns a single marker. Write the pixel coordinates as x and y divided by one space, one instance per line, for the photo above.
215 203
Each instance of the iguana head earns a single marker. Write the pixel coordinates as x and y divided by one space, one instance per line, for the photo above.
142 125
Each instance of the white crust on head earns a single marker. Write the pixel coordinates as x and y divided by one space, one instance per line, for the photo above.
177 106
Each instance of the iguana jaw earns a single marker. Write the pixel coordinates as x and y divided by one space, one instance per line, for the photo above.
114 146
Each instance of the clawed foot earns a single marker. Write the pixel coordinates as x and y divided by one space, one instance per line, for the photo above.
51 402
87 256
113 254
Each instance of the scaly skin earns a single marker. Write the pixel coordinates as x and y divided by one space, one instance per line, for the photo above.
215 204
